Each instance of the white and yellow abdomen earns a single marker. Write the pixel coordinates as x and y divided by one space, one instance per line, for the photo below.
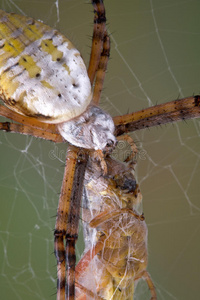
42 75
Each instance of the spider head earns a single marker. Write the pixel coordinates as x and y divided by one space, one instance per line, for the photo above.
94 129
109 146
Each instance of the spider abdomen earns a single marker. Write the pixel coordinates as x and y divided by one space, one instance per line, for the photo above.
42 74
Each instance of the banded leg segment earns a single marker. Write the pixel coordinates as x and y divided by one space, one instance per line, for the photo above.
73 224
71 187
173 111
29 130
61 221
102 67
97 38
25 120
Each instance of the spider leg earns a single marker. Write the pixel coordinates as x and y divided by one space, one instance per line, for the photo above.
102 67
66 228
61 223
28 130
73 225
25 120
98 37
186 108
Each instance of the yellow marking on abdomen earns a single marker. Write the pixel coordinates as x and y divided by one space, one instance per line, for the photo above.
46 84
50 48
30 65
11 48
67 68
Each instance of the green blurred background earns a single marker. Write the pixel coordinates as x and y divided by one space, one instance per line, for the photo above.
155 57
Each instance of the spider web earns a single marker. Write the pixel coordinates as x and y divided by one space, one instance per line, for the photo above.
154 59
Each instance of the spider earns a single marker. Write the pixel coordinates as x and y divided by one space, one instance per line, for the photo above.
122 130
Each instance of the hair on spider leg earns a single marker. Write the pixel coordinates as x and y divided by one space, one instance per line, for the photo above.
6 126
197 100
178 97
53 216
54 294
80 218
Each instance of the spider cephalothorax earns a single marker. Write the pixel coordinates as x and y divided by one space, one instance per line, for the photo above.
93 129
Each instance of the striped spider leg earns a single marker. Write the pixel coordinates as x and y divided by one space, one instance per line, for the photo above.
173 111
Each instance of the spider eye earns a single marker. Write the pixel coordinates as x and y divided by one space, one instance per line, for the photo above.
110 144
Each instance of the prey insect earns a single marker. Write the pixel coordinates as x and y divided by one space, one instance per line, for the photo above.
111 219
